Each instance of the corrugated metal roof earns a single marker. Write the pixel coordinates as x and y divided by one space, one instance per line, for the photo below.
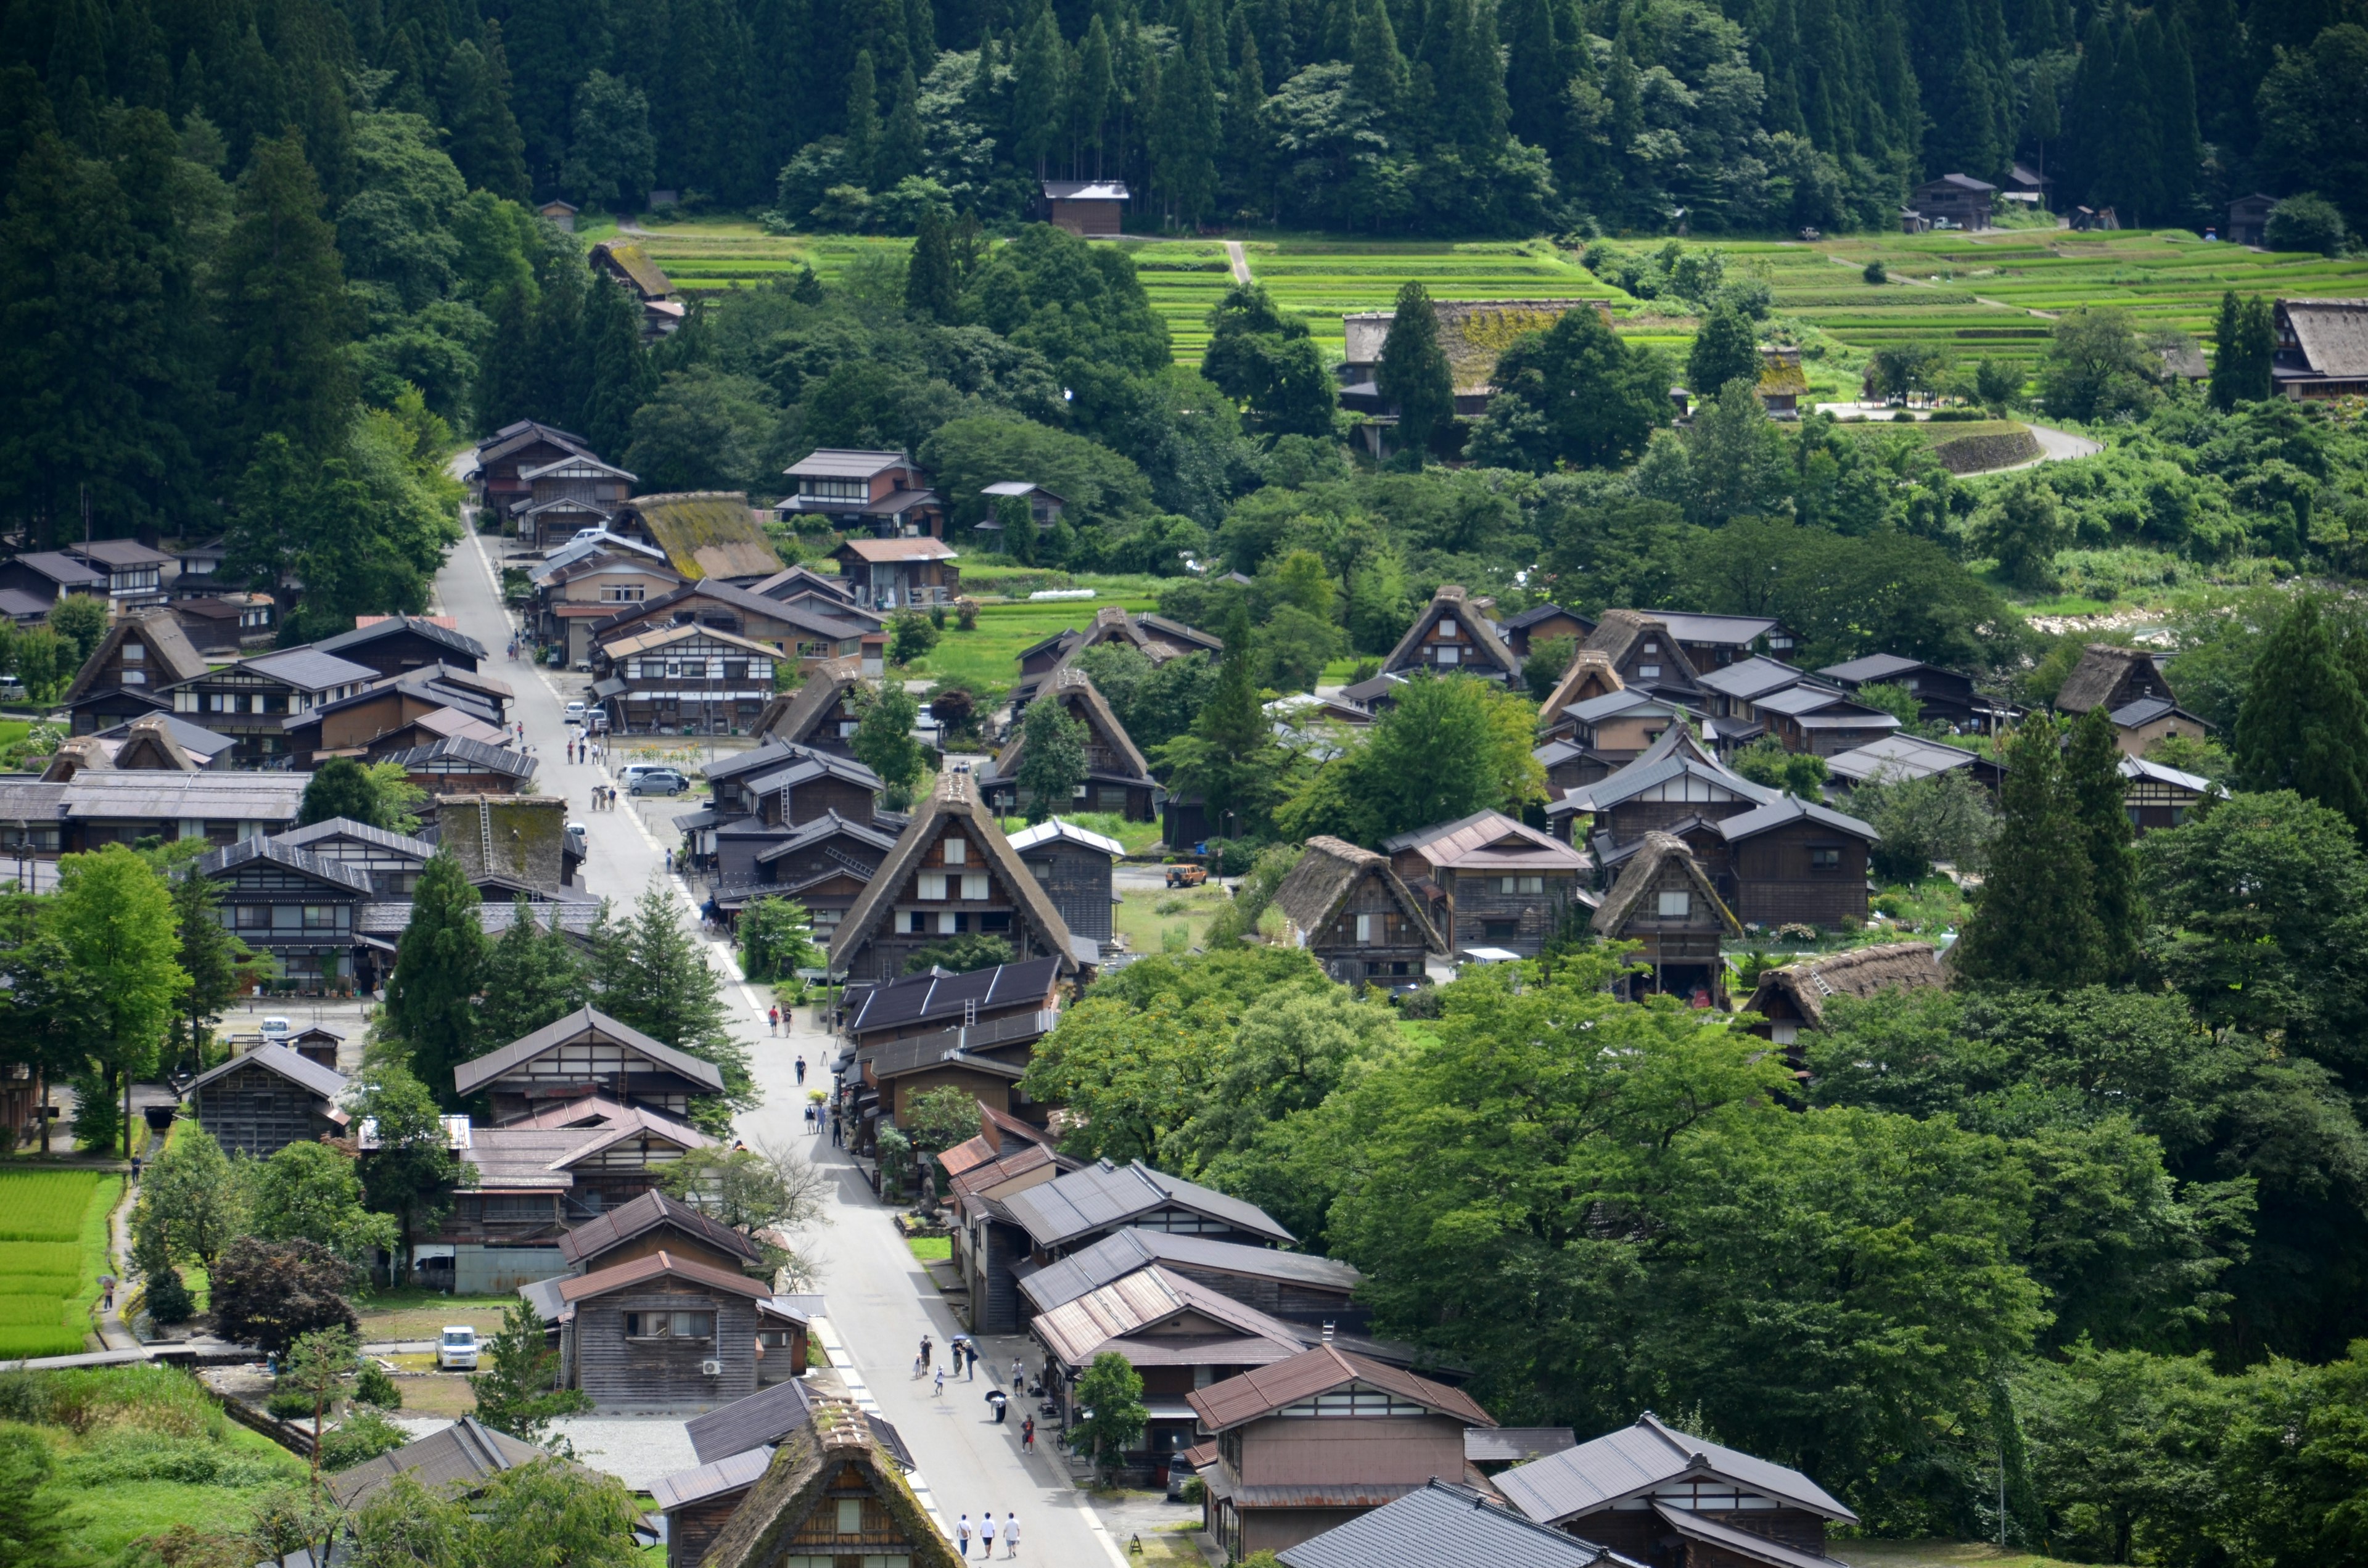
918 998
304 1073
361 832
277 852
840 462
421 626
1790 809
1742 1543
646 1213
462 1453
1488 841
1730 631
1103 1195
308 668
1514 1445
1874 668
1122 1252
1637 1458
1442 1526
659 1265
1899 757
733 1472
1747 679
269 798
761 1420
1319 1369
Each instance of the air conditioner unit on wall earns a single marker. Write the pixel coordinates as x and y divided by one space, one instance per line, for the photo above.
710 1368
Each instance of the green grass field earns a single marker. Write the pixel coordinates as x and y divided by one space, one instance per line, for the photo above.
53 1249
986 658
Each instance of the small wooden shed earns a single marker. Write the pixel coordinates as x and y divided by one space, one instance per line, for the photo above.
259 1103
1095 208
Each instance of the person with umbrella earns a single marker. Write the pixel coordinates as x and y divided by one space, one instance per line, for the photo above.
997 1401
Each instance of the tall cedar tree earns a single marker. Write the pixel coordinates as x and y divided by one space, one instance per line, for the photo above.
284 307
618 376
1413 372
2035 924
1229 758
2305 722
438 969
1726 350
409 1168
654 976
1051 758
532 977
2092 776
862 132
930 290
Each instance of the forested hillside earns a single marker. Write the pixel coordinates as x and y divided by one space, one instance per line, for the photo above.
1433 115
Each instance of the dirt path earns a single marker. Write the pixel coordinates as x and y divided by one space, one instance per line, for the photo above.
1240 259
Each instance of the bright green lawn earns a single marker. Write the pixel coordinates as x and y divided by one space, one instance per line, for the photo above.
931 1249
1148 930
1936 1554
52 1250
987 658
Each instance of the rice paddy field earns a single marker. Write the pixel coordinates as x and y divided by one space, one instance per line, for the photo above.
1993 294
53 1248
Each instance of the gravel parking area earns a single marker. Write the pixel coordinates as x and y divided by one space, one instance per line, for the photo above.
637 1450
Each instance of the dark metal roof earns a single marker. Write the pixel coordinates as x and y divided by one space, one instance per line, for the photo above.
1636 1459
758 1421
309 669
1790 809
1872 667
361 832
229 857
1514 1445
1747 679
442 636
478 757
196 741
918 998
464 1452
1122 1252
298 1069
470 1076
644 1214
1102 1195
731 1472
1441 1525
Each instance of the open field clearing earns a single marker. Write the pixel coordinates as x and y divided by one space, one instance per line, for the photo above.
53 1247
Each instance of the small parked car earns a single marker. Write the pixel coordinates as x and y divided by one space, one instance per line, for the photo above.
578 841
1186 876
456 1349
276 1031
659 782
575 712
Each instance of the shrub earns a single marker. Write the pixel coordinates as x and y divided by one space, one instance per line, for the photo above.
169 1300
2307 222
374 1386
966 614
910 636
1875 272
122 1456
362 1436
289 1405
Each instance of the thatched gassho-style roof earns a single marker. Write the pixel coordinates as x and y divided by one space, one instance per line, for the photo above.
790 716
1475 333
1450 599
1861 972
1327 871
1590 674
1621 630
836 1438
2102 674
705 533
1659 851
1068 681
177 660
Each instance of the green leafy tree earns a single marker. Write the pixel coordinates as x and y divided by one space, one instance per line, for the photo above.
114 918
1051 758
1997 384
653 977
438 969
2035 923
1229 758
1413 372
776 940
1264 358
2304 725
1448 747
936 1119
220 967
1574 394
883 742
311 1192
192 1203
2023 528
1726 349
80 620
517 1392
339 788
1548 662
532 976
1892 698
269 1294
1945 817
2096 367
910 637
2306 223
1766 761
1111 1415
2244 345
611 159
2092 777
548 1511
409 1169
320 1366
960 955
52 1009
32 1530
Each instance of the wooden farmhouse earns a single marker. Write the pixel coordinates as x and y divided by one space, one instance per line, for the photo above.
1643 654
1590 674
821 714
1794 861
1092 209
1075 867
1947 697
1525 631
97 808
883 494
1782 383
1155 637
2156 796
734 1445
586 1053
583 584
141 655
456 1462
771 792
1671 781
1665 1498
974 1032
2248 218
808 630
299 908
952 873
831 1492
660 1330
890 575
1077 1210
393 716
1361 921
401 645
227 625
1041 508
653 1222
1620 726
1898 758
1489 881
1296 1286
1452 637
1118 781
683 680
1664 902
1733 692
564 497
1305 1445
1955 201
988 1253
134 571
2110 678
159 742
252 700
706 535
824 862
2322 351
521 839
505 455
259 1103
1820 721
462 765
1793 998
2137 725
45 576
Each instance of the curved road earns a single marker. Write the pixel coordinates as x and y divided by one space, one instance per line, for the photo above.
880 1301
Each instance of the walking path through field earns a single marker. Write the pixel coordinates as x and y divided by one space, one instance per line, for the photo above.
1240 259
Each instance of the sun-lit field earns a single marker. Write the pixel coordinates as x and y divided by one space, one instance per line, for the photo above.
52 1243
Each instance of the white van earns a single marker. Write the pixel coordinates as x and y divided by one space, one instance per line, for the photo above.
456 1349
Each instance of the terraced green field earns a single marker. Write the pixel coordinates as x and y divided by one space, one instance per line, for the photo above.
53 1246
1995 294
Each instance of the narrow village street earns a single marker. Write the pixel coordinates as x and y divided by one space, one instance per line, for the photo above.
880 1299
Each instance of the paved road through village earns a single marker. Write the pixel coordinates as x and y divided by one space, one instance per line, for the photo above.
880 1302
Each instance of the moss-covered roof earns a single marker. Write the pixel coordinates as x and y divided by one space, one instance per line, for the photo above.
707 533
639 269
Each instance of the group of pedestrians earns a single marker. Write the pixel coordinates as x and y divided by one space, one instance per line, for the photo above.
581 748
604 797
986 1533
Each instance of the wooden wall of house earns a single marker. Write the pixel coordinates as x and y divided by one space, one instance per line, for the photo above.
997 1306
818 798
1276 1530
1639 1533
1584 768
1479 901
1776 879
255 1111
815 1535
1350 1451
996 1092
1633 818
668 1239
1351 962
1281 1298
618 1372
1077 880
691 1530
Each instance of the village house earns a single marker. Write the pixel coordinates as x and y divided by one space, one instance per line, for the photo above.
503 457
804 631
462 764
2322 348
659 1331
734 1445
627 265
226 624
2128 684
1489 881
885 494
298 907
653 1222
587 581
823 862
97 808
1442 1524
1794 861
952 873
401 645
1669 782
1902 758
1782 383
1118 781
585 1054
1091 208
1525 631
1588 676
455 1463
520 839
1664 902
258 1103
831 1492
2159 796
390 862
1294 1287
1955 201
1946 697
1820 721
1732 692
45 576
564 497
163 741
706 535
1075 867
683 680
135 572
1671 1500
252 700
1474 334
1792 997
1642 652
2137 725
989 1248
395 714
1155 637
142 654
821 714
900 574
769 794
1043 507
2248 218
1452 637
1304 1446
1073 1210
195 566
1619 726
1359 919
972 1032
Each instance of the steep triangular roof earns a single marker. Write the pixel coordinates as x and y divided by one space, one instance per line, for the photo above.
1621 630
1327 871
150 742
2103 670
955 798
469 1076
790 716
1590 674
167 645
1659 852
1068 685
1635 1459
1673 753
833 1447
1449 600
1861 972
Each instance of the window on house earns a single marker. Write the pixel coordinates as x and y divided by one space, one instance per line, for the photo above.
133 653
1447 629
851 1515
1450 655
994 920
1043 869
1652 647
974 888
254 916
135 677
1824 857
1675 905
957 851
1650 671
933 886
1520 884
917 922
669 1325
621 593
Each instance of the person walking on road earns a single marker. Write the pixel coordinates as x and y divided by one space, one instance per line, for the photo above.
986 1534
1010 1535
939 1391
925 1353
1019 1374
998 1401
961 1535
1027 1434
773 1019
802 1068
